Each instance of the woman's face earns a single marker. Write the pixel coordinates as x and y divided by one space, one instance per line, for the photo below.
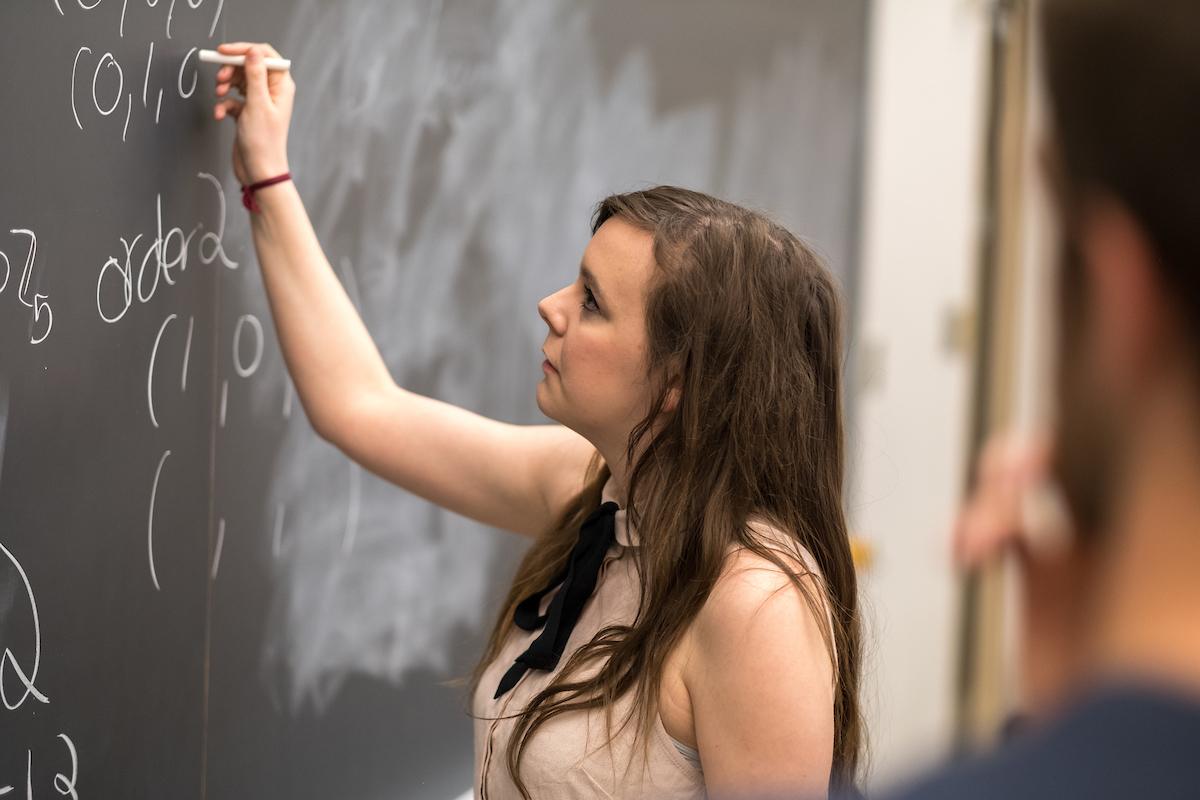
595 369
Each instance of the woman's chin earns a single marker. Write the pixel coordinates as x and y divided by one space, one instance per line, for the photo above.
543 401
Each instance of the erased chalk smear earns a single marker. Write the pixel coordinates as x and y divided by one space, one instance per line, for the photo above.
450 160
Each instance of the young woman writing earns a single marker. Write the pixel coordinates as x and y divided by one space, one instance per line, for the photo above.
685 621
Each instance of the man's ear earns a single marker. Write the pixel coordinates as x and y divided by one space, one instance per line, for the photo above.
1130 311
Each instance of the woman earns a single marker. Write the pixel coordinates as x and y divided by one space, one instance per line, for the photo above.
685 621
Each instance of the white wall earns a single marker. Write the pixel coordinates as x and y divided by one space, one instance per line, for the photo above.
927 83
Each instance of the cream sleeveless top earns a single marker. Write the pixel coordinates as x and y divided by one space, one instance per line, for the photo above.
571 756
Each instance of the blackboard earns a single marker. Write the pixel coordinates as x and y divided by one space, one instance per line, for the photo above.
198 597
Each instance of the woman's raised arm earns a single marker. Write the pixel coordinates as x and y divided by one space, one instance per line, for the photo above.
512 477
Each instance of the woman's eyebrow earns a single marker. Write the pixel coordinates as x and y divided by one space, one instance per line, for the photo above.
590 279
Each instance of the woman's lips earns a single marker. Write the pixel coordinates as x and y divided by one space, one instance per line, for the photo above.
547 367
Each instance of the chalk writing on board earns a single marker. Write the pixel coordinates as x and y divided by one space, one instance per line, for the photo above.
74 109
246 372
126 273
40 302
65 785
212 30
128 112
218 237
180 260
146 80
195 73
9 661
108 62
150 525
150 376
28 777
113 303
154 356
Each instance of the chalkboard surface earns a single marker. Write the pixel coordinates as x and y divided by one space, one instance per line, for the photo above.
198 597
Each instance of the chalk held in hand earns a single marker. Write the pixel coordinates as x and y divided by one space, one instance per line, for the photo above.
213 57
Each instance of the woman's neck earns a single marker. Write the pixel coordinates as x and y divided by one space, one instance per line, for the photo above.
619 471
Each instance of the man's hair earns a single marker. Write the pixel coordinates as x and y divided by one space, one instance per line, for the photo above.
1124 84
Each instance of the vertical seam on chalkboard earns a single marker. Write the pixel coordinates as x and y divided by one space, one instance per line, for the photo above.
212 507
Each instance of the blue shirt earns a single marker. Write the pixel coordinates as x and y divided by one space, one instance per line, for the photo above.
1117 744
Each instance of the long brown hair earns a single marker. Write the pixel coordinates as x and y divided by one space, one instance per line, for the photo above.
750 318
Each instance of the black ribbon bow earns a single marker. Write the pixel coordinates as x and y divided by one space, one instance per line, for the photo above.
578 579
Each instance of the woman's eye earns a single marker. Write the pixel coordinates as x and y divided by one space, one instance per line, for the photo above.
589 300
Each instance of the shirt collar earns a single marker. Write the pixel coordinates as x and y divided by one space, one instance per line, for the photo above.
626 534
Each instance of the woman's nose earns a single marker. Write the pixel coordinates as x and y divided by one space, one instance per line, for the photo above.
550 310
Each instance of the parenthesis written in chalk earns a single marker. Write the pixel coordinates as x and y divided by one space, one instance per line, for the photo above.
150 376
75 110
150 525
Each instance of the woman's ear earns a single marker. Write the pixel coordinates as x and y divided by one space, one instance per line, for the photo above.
674 391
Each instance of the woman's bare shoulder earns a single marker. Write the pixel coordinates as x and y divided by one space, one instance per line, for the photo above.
754 591
758 673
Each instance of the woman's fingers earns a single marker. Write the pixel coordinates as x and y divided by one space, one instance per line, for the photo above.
228 108
263 110
224 87
257 86
230 77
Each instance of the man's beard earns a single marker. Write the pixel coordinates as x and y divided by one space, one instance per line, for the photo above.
1088 447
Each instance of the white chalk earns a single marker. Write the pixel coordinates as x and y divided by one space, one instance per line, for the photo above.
213 57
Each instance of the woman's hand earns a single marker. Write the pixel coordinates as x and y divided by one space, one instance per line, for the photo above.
260 149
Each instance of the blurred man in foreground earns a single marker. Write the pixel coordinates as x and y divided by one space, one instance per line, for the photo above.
1112 648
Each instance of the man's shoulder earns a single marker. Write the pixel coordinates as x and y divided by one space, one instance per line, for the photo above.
1113 745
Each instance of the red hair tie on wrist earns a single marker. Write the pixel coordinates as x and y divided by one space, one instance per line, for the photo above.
248 191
